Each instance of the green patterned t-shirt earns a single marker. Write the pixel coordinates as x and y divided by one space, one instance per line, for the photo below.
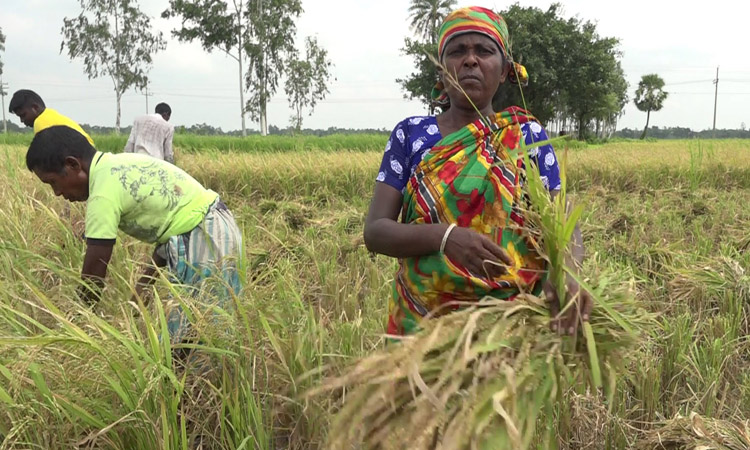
147 198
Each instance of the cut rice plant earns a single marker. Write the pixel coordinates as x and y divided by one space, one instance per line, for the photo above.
482 377
697 433
491 375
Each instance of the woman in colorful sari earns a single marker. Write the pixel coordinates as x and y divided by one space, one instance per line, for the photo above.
457 188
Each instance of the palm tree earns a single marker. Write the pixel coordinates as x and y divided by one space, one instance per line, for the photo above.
650 96
427 16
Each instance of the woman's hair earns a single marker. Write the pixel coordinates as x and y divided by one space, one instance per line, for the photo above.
51 146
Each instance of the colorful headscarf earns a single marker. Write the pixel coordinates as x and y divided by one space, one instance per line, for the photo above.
475 19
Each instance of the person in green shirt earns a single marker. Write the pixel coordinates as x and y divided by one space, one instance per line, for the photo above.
195 234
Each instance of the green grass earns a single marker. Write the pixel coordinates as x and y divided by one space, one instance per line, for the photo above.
188 143
668 219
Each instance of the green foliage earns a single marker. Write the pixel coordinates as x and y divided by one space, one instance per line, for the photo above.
269 46
307 80
207 21
684 133
114 39
539 40
418 85
593 83
574 72
650 96
427 16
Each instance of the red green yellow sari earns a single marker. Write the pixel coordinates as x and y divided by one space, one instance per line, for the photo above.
469 178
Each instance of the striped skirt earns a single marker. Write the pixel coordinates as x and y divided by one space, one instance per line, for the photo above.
204 261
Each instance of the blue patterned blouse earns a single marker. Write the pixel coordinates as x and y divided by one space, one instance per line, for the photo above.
414 136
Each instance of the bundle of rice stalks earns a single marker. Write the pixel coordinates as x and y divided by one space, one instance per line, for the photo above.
697 433
488 376
483 377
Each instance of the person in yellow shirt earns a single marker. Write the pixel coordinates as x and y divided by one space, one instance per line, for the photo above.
32 111
30 108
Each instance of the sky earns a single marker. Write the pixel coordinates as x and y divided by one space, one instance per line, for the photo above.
683 44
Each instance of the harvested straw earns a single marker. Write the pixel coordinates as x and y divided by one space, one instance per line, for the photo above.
482 377
488 376
697 433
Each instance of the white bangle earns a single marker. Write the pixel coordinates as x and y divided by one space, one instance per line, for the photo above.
445 237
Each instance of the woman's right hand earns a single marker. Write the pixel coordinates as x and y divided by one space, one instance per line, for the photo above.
477 253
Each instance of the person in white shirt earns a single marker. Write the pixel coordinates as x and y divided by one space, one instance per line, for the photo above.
152 134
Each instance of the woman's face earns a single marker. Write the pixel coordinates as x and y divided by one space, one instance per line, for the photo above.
476 62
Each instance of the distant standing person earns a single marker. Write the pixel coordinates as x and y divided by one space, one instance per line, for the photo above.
32 111
152 134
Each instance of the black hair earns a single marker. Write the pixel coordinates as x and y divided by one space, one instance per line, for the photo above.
25 97
51 146
163 108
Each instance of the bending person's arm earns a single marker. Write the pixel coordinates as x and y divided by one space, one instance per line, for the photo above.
148 276
98 254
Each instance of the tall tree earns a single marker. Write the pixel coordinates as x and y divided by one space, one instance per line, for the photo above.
540 41
650 96
594 74
114 38
427 16
307 80
270 44
216 27
573 71
612 106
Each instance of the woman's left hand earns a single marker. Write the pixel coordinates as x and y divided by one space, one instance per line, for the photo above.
580 311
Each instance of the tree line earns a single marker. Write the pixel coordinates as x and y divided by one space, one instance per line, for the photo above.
204 129
685 133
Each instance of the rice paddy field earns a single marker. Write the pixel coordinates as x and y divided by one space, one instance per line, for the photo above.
666 221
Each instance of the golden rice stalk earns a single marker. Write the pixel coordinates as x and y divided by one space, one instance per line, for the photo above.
697 433
485 376
481 377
